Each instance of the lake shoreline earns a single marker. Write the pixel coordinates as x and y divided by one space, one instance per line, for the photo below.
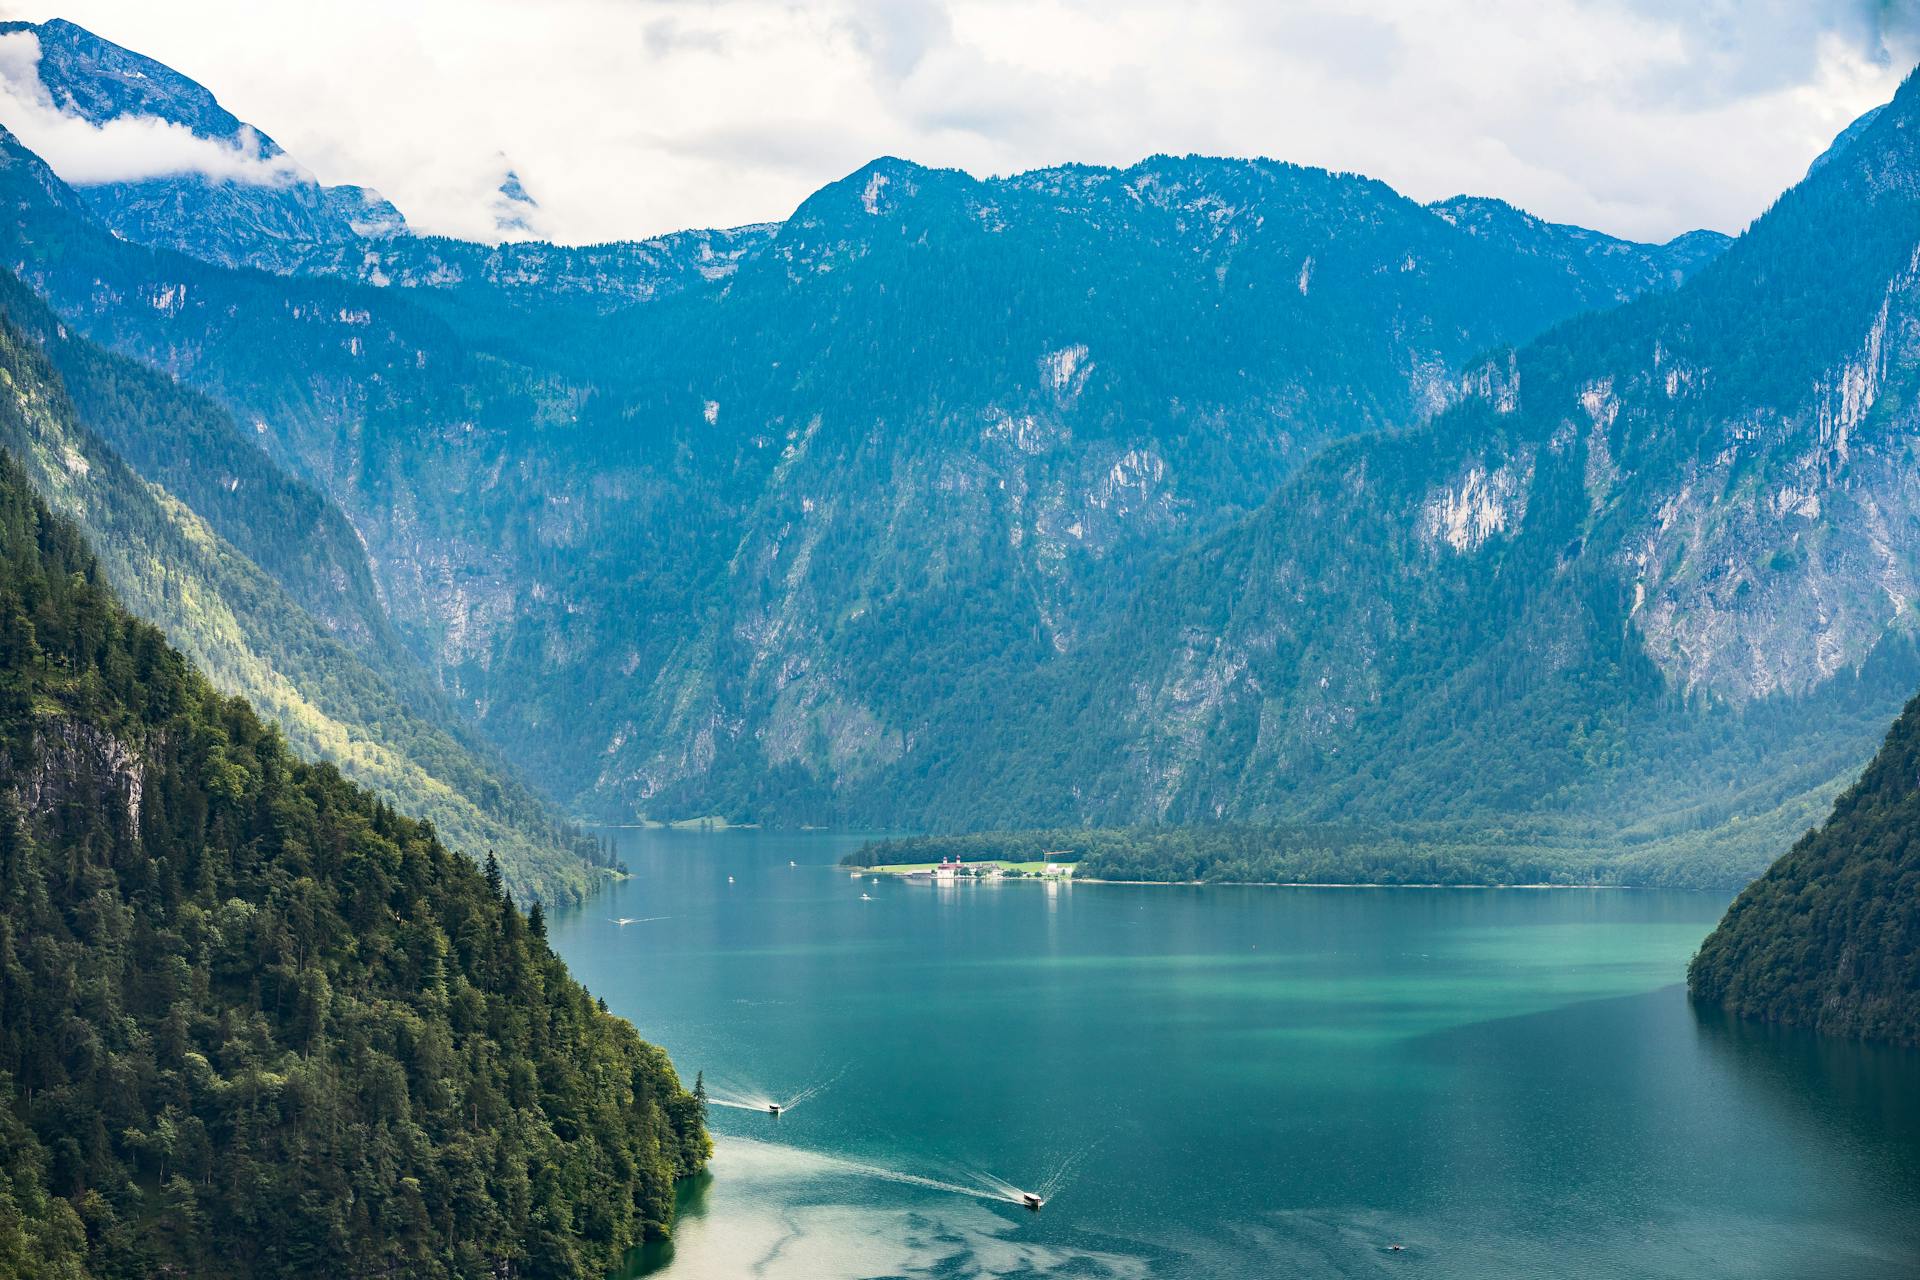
1264 884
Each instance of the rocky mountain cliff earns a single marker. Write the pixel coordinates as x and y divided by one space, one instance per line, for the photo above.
1659 559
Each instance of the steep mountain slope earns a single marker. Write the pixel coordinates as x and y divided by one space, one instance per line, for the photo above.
1828 937
263 210
1081 367
328 688
1662 560
252 1022
191 447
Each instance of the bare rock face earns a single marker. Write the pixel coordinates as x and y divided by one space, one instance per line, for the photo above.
75 762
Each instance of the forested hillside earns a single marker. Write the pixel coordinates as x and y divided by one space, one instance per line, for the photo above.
346 692
1829 937
254 1022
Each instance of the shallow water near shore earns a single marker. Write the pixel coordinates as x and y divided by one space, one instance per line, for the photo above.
1230 1082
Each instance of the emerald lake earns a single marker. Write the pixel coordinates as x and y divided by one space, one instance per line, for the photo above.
1231 1082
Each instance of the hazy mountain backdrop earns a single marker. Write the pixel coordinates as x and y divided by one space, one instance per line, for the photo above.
1201 490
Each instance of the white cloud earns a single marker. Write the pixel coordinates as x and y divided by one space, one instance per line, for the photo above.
126 149
633 117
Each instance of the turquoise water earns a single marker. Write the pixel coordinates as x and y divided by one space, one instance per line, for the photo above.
1232 1082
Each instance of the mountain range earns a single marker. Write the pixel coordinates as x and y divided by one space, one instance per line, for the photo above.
1202 490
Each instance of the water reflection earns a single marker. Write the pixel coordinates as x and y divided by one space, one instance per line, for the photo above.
1862 1097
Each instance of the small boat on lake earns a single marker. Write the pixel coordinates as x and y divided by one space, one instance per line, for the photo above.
773 1108
1032 1200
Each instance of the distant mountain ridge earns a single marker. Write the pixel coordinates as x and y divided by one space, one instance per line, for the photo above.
1199 329
1281 278
1210 325
1045 498
1656 557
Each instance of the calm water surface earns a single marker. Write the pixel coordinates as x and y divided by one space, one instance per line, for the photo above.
1232 1083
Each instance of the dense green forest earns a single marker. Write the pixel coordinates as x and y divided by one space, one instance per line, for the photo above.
252 1021
207 561
1829 937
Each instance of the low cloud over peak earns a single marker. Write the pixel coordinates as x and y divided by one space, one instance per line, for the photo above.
126 148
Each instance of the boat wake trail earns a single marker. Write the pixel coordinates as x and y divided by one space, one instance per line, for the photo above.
995 1187
954 1179
965 1180
884 1174
750 1097
985 1188
813 1090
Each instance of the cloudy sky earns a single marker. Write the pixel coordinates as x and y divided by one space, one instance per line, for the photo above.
631 117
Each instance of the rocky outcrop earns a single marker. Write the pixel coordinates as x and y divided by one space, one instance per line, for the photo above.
76 762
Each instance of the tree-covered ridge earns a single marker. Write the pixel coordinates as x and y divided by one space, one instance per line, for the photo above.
346 691
1829 937
183 442
253 1022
